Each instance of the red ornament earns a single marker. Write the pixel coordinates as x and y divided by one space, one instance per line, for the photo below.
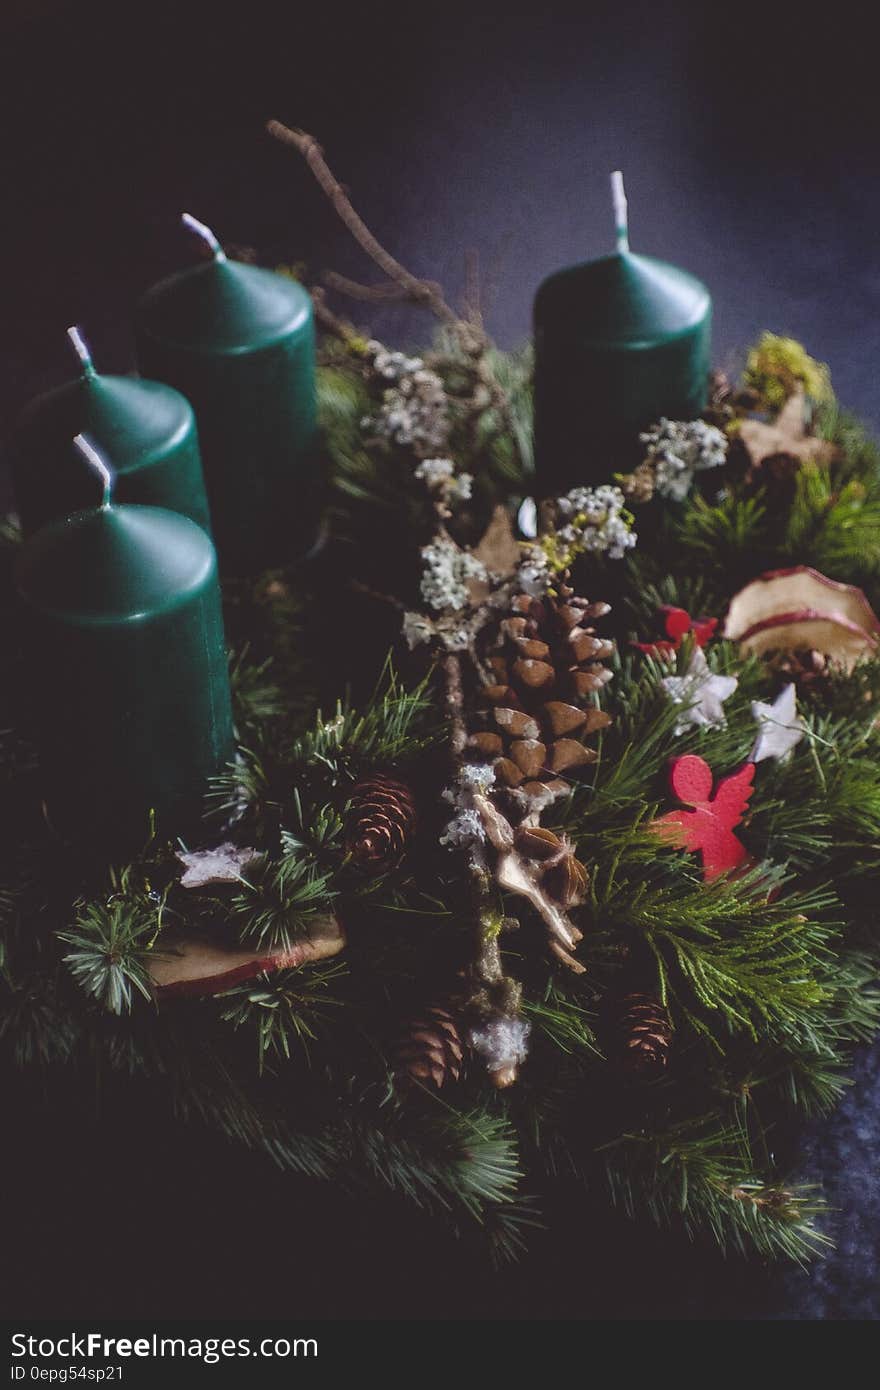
709 826
678 623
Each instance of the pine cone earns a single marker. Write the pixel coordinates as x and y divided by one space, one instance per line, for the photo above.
431 1050
644 1036
381 818
549 666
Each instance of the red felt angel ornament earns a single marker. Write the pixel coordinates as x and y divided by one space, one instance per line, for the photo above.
707 828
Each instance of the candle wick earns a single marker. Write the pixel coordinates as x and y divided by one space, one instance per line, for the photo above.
94 459
192 224
618 201
80 348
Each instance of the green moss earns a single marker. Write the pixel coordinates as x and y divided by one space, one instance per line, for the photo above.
777 366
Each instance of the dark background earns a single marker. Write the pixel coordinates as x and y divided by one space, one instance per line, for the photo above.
749 143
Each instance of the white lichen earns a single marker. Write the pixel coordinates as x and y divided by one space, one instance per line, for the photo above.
501 1043
466 828
446 570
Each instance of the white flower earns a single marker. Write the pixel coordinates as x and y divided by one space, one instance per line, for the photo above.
461 488
435 472
414 409
680 448
594 521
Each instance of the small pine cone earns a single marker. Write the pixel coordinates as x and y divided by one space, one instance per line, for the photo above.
380 821
431 1050
644 1035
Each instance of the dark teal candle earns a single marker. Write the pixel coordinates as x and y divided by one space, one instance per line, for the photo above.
619 342
127 671
239 342
146 429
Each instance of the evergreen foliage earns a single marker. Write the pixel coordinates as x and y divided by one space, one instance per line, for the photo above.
769 976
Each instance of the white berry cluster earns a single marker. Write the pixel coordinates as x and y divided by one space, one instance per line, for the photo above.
414 409
595 520
679 449
446 568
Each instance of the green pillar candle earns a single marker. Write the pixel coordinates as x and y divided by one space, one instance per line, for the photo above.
126 659
239 342
619 342
147 429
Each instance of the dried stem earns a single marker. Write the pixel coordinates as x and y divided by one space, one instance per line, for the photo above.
341 327
420 290
386 291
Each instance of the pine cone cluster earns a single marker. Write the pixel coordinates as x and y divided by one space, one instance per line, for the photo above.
549 666
430 1052
380 821
644 1036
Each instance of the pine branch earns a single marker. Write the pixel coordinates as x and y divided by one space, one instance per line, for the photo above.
286 1011
110 941
702 1179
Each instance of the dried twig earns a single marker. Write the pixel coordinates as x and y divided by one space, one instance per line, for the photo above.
386 291
325 315
419 290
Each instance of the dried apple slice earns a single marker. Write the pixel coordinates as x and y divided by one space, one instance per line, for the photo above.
193 966
801 609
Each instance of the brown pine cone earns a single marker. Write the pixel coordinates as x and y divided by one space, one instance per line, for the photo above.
549 666
380 820
644 1036
431 1050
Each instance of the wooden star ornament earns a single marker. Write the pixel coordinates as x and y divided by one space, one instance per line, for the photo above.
708 827
786 437
701 694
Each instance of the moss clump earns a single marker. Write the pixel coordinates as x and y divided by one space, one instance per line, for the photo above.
776 367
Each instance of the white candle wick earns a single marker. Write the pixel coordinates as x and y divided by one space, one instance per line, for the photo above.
192 224
79 346
618 200
93 458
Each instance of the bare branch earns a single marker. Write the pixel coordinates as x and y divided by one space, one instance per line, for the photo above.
420 290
